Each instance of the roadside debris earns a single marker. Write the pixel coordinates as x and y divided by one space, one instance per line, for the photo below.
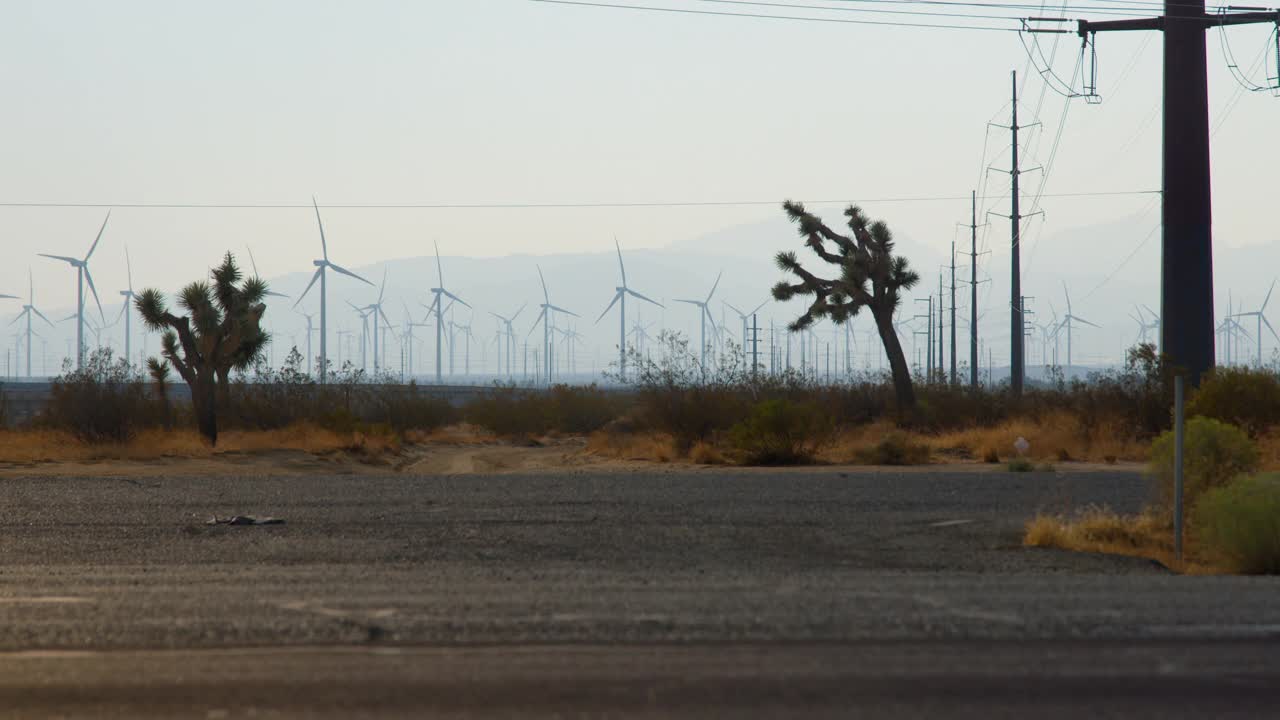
244 520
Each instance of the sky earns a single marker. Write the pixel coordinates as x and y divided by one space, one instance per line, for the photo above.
513 102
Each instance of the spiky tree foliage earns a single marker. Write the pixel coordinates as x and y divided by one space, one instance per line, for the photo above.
870 276
220 333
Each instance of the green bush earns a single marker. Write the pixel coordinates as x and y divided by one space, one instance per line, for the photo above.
104 401
781 432
1240 523
1244 397
1214 454
509 411
894 449
1021 465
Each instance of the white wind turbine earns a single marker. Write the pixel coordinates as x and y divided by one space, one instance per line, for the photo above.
376 310
509 333
256 274
82 274
28 310
1068 321
438 306
704 316
545 317
127 311
1262 320
322 265
620 296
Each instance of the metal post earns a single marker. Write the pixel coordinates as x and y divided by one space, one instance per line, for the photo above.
1015 267
1178 436
973 293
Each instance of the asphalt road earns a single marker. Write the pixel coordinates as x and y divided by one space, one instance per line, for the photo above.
731 593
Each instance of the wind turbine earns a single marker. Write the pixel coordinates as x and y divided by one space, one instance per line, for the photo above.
1068 321
620 295
28 310
322 265
545 318
703 316
82 274
1262 320
364 333
376 310
127 312
744 317
438 305
308 316
509 332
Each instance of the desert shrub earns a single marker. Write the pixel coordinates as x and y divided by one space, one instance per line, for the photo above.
510 411
894 449
1244 397
103 401
1214 454
1240 522
781 432
1021 464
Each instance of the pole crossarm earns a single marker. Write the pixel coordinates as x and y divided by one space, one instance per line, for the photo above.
1205 20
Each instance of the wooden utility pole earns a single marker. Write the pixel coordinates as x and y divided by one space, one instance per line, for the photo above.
1186 267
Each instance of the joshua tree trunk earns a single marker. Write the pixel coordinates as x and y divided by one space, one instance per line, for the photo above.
204 402
224 389
901 373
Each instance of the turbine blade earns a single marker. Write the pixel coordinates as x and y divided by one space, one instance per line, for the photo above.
8 297
1085 322
1268 299
19 317
383 316
314 278
382 290
621 267
541 317
344 271
562 310
252 262
757 308
439 267
273 293
731 307
642 297
513 317
455 298
89 279
545 297
64 258
713 287
324 244
129 268
42 317
123 309
94 246
611 304
691 302
1267 322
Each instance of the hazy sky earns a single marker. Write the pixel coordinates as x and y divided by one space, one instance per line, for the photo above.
508 101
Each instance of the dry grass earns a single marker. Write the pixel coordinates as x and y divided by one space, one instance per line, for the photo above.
654 447
46 446
1100 530
704 453
1054 437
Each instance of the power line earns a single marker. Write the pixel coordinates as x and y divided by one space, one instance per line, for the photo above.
527 206
800 18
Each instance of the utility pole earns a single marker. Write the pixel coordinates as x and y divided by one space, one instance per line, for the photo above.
973 292
954 379
942 307
755 344
1015 263
1186 267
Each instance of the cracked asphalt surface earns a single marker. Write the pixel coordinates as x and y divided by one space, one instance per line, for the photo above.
727 592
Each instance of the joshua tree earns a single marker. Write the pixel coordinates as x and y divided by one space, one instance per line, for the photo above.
222 332
871 276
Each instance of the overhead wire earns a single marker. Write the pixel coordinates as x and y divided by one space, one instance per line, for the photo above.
762 16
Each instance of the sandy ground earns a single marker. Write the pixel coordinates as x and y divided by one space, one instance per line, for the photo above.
482 457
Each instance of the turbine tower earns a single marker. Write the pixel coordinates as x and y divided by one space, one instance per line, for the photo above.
620 296
309 317
28 310
322 265
82 274
438 305
1068 321
545 318
703 316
